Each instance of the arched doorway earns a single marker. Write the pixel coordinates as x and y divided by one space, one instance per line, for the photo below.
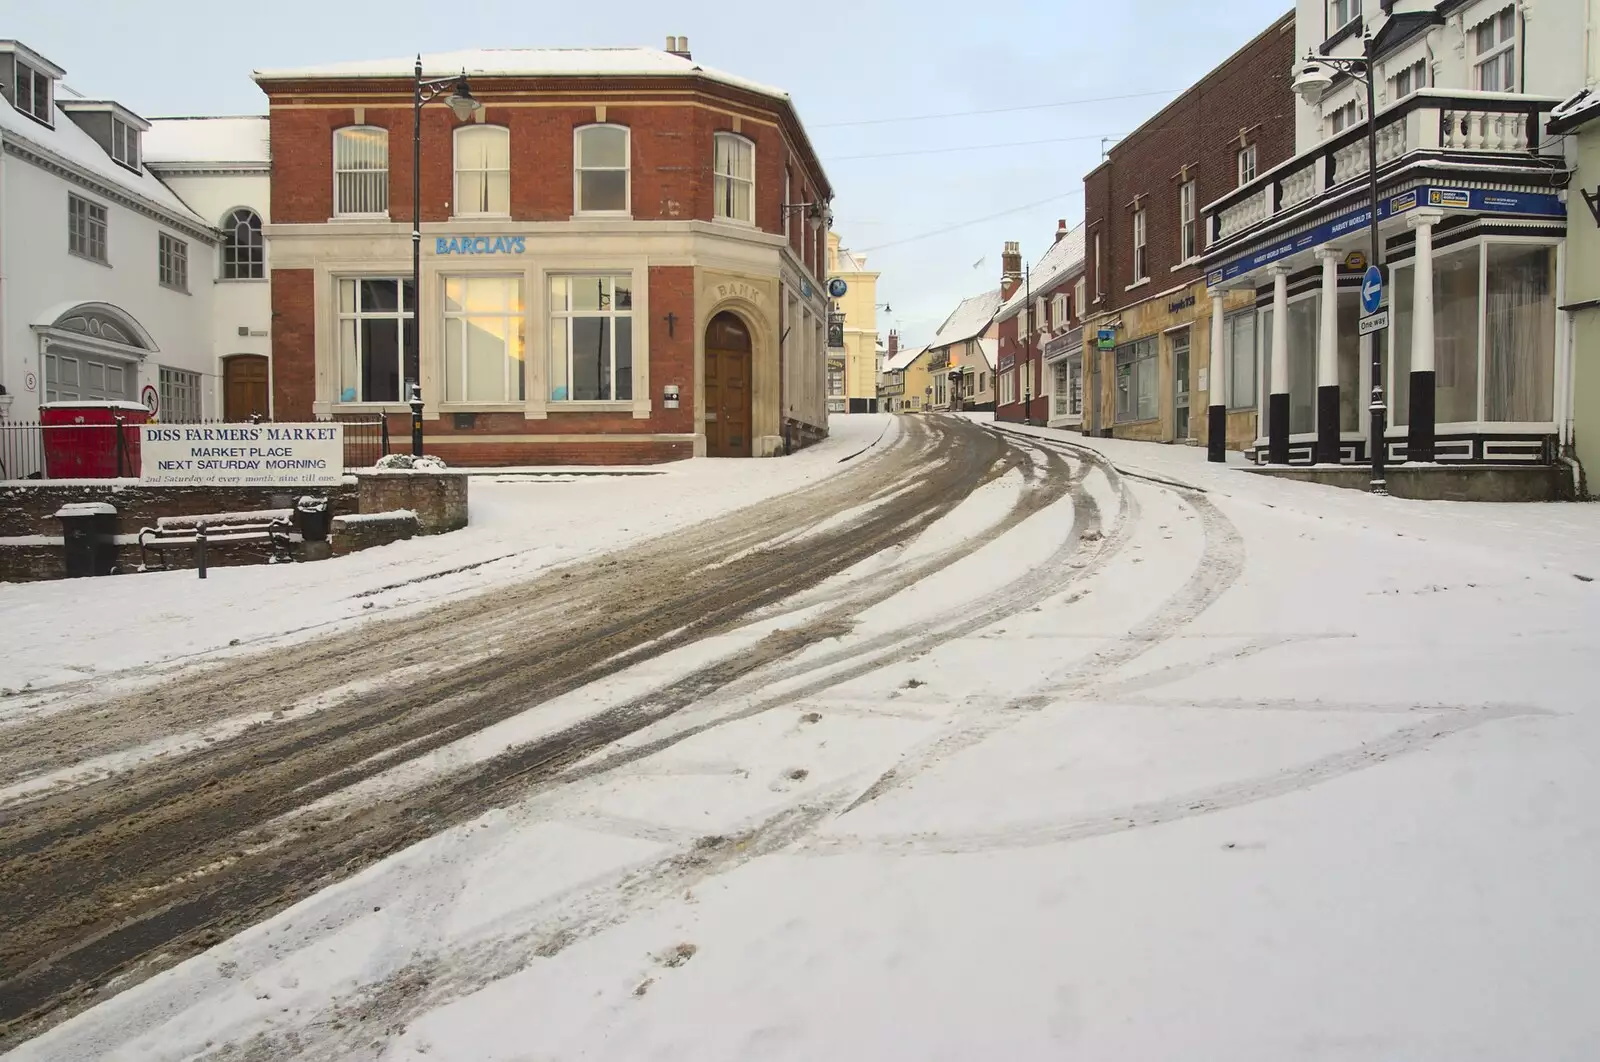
92 352
727 387
244 386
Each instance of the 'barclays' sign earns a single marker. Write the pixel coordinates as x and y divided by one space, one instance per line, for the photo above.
480 245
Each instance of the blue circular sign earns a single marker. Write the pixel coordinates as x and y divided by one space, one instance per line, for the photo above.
1371 290
837 287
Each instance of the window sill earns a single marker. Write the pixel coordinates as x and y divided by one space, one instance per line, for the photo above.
241 280
357 218
479 407
624 405
602 215
1137 284
86 258
1135 423
734 222
1187 263
175 288
368 407
480 217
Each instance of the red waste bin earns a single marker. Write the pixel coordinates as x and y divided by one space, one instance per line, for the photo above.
80 439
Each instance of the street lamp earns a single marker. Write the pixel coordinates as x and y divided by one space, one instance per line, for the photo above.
1312 82
462 104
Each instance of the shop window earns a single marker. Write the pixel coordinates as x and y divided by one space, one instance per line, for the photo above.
1138 382
180 396
483 171
734 165
1305 320
1520 334
377 330
484 340
602 154
591 338
1239 335
361 171
1455 335
1351 400
244 252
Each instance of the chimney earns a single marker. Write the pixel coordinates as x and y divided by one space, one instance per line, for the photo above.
679 46
894 345
1061 229
1010 269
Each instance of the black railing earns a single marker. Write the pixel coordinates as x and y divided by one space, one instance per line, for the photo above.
30 450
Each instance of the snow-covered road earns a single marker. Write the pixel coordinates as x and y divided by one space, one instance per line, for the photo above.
1236 770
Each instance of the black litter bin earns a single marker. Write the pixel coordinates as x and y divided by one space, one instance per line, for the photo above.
312 517
89 533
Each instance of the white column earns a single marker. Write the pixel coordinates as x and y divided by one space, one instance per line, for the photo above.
1218 385
1328 338
1280 331
1422 291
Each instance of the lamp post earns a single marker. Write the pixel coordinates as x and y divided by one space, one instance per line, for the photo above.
1312 83
462 104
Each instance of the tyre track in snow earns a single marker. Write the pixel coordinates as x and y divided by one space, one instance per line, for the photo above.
177 853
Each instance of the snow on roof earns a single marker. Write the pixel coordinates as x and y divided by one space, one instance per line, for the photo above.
238 139
527 62
67 142
1575 112
990 348
1062 260
969 319
903 359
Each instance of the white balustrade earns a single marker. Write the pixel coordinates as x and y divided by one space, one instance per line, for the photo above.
1249 211
1299 186
1350 161
1466 130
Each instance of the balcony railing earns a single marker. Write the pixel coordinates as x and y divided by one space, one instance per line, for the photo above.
1431 121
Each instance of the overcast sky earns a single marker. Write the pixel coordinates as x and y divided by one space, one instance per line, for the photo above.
883 62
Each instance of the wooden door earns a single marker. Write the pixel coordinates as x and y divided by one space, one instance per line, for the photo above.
244 387
727 387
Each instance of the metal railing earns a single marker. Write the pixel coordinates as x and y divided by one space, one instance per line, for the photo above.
30 450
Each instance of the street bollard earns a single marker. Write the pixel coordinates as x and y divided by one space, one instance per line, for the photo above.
200 548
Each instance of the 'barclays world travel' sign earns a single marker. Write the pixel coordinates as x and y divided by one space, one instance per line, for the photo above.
480 245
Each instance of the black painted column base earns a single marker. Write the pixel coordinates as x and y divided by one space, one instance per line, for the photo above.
1328 425
1278 429
1217 434
1419 441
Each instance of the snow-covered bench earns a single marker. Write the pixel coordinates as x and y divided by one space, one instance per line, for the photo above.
200 533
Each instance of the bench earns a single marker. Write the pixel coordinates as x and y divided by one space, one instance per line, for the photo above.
271 526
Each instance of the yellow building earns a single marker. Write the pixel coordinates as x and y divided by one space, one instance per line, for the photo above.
852 334
908 382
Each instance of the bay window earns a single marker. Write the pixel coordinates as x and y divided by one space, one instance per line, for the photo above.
734 164
601 165
377 329
483 171
591 338
361 171
483 339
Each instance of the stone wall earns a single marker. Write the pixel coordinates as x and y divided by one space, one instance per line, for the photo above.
30 509
1476 483
364 531
438 498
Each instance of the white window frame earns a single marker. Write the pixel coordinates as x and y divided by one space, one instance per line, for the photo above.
1188 223
636 340
40 107
243 260
1497 54
1141 246
1231 353
96 232
1080 291
1041 315
1414 77
486 172
124 144
1099 270
1247 164
719 179
338 205
400 315
1343 12
172 262
1345 116
788 196
516 319
181 398
578 170
1058 311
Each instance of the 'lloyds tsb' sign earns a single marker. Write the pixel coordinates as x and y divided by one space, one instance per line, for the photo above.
242 455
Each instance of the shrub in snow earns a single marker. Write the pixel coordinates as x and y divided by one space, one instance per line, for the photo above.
425 463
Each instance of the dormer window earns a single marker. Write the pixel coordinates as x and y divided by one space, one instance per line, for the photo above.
124 143
33 93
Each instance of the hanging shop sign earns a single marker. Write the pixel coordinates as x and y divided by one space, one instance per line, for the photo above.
837 287
243 455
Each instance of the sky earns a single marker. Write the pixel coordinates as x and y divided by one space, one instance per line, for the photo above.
940 194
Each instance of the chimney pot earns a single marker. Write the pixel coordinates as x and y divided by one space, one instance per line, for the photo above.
1061 229
672 43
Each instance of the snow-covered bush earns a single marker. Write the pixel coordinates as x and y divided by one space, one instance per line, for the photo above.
425 463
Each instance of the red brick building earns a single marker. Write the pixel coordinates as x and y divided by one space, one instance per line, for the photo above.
623 256
1144 240
1040 371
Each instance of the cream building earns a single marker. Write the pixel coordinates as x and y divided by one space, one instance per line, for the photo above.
852 348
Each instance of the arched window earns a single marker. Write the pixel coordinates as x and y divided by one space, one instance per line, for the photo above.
735 165
601 156
244 253
361 171
483 171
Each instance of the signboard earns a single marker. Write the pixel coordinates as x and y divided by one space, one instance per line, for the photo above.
1371 290
29 382
1531 204
1105 339
480 245
151 399
837 287
1355 260
243 455
1373 322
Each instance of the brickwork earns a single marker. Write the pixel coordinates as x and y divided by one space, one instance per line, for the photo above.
31 509
379 529
438 498
1246 100
294 344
